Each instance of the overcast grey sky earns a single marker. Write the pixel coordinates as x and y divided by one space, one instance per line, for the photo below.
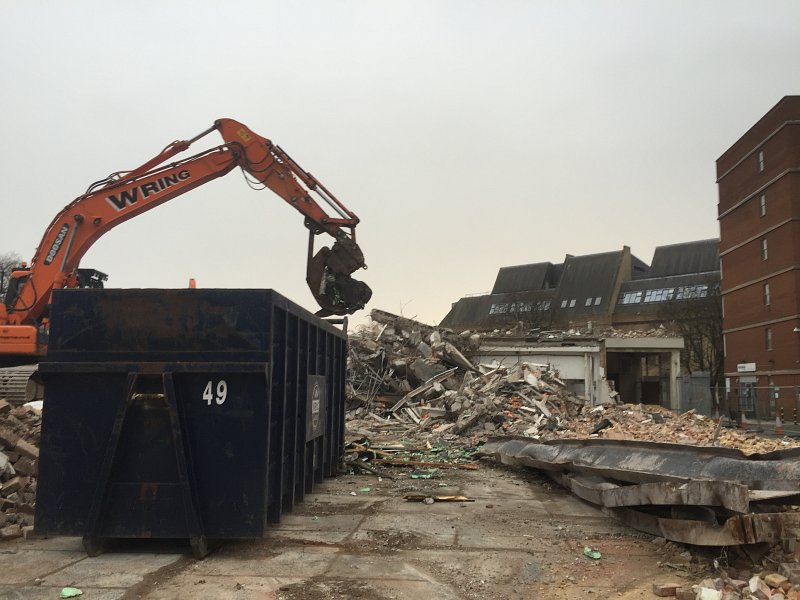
466 135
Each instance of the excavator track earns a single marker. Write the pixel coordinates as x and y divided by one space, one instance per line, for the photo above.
19 385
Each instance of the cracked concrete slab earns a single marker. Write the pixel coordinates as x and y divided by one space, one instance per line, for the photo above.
521 538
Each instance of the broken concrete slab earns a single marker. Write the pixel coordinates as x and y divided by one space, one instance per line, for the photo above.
587 468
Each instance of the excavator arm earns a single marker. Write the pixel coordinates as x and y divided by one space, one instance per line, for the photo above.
124 195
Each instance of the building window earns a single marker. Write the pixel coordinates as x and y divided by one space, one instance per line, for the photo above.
521 307
630 298
768 339
766 294
588 302
762 205
689 292
764 251
660 295
563 304
498 309
572 303
598 300
761 160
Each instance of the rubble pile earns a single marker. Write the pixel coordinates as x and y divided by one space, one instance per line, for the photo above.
648 423
20 428
413 380
740 584
407 374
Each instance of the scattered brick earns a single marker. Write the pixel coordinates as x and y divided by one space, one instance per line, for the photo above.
8 438
26 449
759 589
665 589
775 580
13 485
685 594
26 466
10 532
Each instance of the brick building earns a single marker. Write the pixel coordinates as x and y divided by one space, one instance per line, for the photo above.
759 220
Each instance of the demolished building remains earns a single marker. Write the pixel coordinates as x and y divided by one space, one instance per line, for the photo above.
606 298
683 477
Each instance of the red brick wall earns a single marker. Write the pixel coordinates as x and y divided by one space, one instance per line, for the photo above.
787 109
744 264
749 346
781 152
746 221
746 305
741 232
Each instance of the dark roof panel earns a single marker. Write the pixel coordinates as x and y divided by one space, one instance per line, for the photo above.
681 259
587 286
499 310
467 312
523 278
586 278
639 268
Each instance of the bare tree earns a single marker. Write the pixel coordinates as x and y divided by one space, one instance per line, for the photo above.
8 262
699 321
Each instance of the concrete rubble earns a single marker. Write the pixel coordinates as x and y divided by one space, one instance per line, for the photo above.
419 408
736 584
414 384
20 427
415 379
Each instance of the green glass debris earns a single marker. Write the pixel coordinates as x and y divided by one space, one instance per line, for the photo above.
591 553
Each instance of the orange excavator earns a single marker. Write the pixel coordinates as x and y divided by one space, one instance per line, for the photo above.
124 195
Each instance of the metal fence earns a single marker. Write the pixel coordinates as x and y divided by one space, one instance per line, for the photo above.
695 394
763 404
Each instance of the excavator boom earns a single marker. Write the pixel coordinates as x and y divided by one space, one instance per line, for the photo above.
124 195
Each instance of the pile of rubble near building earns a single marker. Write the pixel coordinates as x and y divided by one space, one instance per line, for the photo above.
721 487
408 378
20 427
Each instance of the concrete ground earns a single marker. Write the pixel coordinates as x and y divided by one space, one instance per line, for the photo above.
357 537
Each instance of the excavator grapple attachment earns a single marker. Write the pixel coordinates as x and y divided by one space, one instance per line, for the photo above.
328 276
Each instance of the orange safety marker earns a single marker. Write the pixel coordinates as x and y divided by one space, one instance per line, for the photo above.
778 425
